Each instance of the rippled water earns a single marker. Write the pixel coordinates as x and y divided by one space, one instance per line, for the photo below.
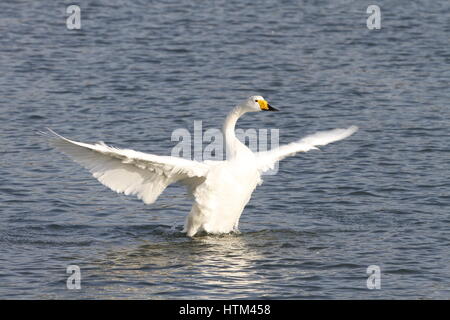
137 70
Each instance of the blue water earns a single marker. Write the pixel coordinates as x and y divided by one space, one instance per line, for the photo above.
137 70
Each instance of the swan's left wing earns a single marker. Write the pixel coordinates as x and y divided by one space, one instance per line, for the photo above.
131 172
266 160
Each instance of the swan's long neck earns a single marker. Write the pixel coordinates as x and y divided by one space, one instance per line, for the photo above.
231 142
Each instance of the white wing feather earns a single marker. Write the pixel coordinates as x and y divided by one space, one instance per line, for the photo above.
267 159
131 172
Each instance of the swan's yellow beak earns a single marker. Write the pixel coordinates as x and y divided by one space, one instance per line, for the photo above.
265 106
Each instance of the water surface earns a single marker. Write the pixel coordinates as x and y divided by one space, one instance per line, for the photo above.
137 70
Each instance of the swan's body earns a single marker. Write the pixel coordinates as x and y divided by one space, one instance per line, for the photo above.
220 189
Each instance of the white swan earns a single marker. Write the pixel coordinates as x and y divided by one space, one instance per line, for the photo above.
220 189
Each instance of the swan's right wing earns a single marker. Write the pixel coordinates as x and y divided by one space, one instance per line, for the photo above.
266 160
131 172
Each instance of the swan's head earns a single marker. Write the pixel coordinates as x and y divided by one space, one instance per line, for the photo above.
256 104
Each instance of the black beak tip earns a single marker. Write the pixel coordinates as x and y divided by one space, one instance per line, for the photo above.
271 108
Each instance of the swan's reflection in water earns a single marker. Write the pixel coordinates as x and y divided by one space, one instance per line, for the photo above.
206 267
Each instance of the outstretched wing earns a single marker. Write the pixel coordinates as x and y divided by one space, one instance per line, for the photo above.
131 172
267 159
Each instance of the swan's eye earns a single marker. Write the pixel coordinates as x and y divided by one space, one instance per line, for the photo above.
256 100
